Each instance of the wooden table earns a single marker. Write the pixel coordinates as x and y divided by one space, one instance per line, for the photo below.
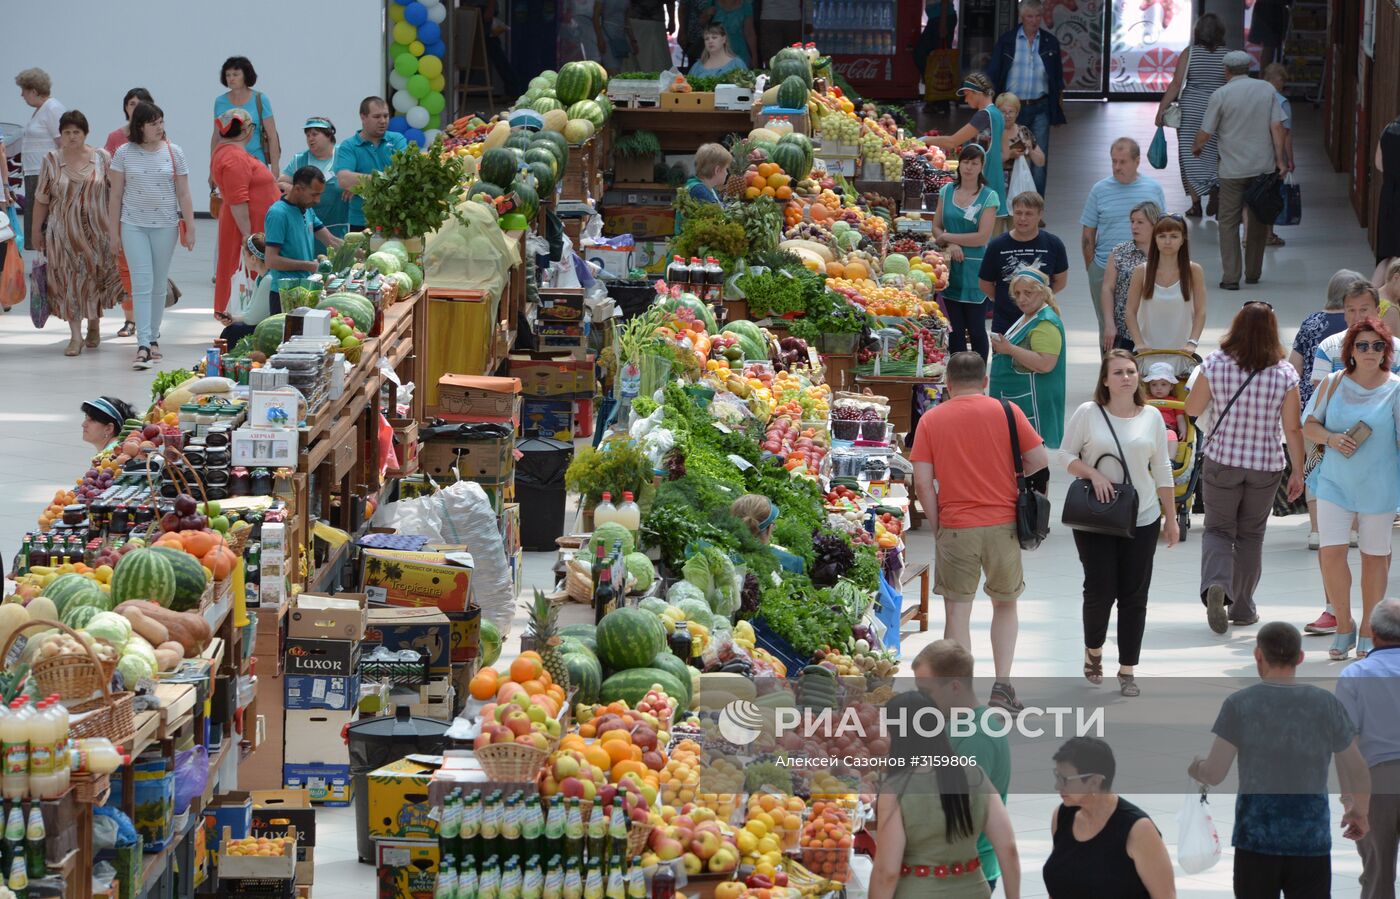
916 611
683 132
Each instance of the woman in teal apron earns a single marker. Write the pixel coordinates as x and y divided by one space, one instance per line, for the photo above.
978 91
963 223
1028 367
760 513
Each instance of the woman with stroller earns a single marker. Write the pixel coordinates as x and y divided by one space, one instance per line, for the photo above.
1354 418
1118 570
1167 295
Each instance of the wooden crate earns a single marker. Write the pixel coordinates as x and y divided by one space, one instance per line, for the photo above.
694 101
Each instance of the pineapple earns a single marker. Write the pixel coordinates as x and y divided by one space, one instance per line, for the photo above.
544 620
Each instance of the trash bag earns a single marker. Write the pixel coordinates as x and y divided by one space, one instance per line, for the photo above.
1197 843
191 777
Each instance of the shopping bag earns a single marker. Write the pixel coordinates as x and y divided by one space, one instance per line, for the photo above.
1157 151
39 292
1292 193
941 76
12 284
16 222
1021 179
1263 197
172 293
1197 843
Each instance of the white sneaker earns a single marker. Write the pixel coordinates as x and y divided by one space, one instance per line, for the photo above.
1352 541
1314 541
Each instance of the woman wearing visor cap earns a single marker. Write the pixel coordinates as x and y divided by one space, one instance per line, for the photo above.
334 209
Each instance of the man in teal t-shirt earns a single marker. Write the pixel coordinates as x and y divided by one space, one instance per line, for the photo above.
366 152
943 670
291 228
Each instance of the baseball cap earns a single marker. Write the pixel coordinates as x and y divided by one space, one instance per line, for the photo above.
1236 59
1160 371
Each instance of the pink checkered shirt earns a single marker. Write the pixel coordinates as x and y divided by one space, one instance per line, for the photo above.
1251 436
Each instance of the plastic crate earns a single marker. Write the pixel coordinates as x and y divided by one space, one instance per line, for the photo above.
780 648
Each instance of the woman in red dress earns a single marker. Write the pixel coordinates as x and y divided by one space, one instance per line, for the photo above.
248 191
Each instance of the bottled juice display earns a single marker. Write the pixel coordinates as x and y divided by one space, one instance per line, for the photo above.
714 280
629 515
573 833
554 879
446 886
573 880
678 273
533 885
43 738
58 712
93 755
467 879
605 512
597 835
489 879
469 834
14 744
34 843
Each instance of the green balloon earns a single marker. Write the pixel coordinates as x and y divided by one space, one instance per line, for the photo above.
418 86
433 102
405 64
396 50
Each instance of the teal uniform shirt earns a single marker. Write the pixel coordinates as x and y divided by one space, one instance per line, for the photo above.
358 155
1040 396
333 210
291 230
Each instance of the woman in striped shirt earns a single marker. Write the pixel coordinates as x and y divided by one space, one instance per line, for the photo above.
149 210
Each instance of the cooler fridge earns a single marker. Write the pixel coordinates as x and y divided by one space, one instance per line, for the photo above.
871 44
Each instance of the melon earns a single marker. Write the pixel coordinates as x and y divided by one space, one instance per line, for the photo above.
791 67
543 105
77 617
542 154
764 134
555 119
585 674
528 196
544 177
669 661
143 574
586 634
792 93
68 588
498 166
520 140
497 136
356 307
489 641
190 578
600 77
629 638
484 188
588 110
267 336
792 160
539 83
578 131
556 141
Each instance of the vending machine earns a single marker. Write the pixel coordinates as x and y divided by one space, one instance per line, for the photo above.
871 44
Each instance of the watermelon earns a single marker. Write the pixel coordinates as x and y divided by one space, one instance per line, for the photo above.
543 154
143 574
605 105
190 579
575 83
489 641
267 336
544 177
498 166
359 309
520 140
486 188
77 617
531 95
788 53
600 77
578 131
586 634
792 160
669 661
798 139
791 67
585 673
72 588
546 104
588 111
632 686
529 197
629 638
556 141
550 76
539 83
792 93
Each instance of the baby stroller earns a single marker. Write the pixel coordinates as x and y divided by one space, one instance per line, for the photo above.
1185 464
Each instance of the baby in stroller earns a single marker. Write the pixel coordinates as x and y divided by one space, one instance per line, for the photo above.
1161 385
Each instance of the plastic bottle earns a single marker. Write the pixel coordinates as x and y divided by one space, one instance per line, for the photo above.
663 883
604 512
697 276
629 515
678 273
93 755
714 280
14 746
43 736
61 768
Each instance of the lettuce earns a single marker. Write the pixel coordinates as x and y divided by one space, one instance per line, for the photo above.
110 628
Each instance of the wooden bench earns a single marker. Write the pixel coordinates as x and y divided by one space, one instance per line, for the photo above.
912 611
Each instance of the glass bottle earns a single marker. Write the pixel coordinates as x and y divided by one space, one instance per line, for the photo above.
489 879
663 883
574 832
554 826
573 881
554 879
532 885
469 835
597 835
450 828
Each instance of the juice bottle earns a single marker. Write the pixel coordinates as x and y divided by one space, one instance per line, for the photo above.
604 512
446 886
554 879
19 878
696 283
677 273
14 741
629 515
466 879
61 768
43 734
714 280
93 755
532 886
34 848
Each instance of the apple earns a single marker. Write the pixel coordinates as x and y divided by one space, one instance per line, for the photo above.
653 760
572 787
639 815
565 766
552 727
667 849
590 789
151 432
705 844
723 860
536 714
549 786
536 739
692 864
517 721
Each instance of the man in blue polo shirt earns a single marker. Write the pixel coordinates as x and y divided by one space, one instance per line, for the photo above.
291 229
365 152
1107 218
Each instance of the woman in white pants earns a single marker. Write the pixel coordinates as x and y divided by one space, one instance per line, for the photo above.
149 210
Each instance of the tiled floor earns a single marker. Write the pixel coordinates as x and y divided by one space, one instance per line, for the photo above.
39 450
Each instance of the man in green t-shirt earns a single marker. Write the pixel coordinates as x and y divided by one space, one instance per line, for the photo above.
943 671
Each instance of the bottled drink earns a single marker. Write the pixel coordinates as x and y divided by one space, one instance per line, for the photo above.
489 879
532 828
14 837
629 515
636 880
714 280
574 832
92 755
617 887
617 833
573 881
450 828
600 561
34 839
593 881
597 835
605 597
680 641
25 548
512 879
696 281
554 827
554 879
19 878
532 886
678 273
446 886
510 830
14 744
604 512
467 885
491 825
663 883
469 834
43 735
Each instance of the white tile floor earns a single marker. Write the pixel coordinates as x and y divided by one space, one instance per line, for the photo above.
40 450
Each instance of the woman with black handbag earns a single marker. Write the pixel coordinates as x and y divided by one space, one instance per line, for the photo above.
1116 525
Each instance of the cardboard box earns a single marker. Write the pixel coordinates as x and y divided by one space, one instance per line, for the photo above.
490 460
327 784
466 634
407 869
631 169
553 376
321 616
563 304
509 524
333 693
477 398
264 447
322 658
651 255
274 811
426 630
231 812
435 700
613 263
692 101
405 446
549 418
398 801
732 96
436 580
640 221
314 736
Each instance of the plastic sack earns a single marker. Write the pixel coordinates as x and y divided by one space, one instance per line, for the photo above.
1021 178
1157 151
471 253
888 609
1292 193
39 292
111 828
1197 843
191 777
13 288
388 458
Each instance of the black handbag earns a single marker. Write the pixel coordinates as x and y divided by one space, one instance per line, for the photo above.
1264 198
1115 518
1032 507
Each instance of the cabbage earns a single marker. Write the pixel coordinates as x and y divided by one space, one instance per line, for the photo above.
110 628
697 570
640 570
133 668
138 647
396 249
653 604
683 590
384 263
607 534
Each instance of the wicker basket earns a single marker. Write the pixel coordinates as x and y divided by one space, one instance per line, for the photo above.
511 762
73 677
112 717
637 837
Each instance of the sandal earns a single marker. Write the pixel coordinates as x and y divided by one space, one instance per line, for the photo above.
1363 646
1274 241
1342 645
1093 667
155 350
127 330
94 337
1127 686
143 359
75 347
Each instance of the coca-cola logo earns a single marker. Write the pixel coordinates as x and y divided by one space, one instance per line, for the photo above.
861 68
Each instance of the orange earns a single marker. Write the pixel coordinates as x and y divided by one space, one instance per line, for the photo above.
618 751
572 741
777 180
783 192
483 684
769 191
625 766
597 754
751 193
615 735
525 668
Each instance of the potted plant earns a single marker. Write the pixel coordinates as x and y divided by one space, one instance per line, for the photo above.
414 194
634 157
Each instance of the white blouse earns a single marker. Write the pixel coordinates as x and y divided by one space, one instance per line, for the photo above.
1144 440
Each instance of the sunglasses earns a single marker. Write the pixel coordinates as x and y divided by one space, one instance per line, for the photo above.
1062 781
1362 346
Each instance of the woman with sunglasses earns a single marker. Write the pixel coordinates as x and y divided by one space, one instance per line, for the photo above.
1256 410
1103 845
1167 295
1354 417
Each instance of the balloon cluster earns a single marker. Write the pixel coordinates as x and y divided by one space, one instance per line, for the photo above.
416 73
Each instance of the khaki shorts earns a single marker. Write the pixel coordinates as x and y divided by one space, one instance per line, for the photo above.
962 555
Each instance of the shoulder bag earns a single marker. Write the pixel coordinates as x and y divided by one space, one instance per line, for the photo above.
1314 458
1032 508
1115 518
1215 429
264 140
1171 116
172 292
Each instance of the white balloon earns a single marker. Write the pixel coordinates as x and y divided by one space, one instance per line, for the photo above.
430 3
404 101
396 81
437 13
431 134
417 117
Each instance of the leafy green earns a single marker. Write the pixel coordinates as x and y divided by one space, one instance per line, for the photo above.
637 143
168 379
415 193
615 467
762 221
802 615
707 83
708 231
781 292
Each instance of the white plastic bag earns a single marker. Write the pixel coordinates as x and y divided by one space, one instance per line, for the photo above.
1197 843
1021 180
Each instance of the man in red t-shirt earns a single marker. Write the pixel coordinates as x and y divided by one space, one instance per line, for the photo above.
966 483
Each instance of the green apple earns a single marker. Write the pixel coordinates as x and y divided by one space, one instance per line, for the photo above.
219 523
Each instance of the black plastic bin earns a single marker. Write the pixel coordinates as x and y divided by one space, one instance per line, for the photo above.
376 742
539 488
632 297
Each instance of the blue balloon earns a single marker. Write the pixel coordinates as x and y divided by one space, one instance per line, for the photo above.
435 48
428 32
415 13
415 136
398 123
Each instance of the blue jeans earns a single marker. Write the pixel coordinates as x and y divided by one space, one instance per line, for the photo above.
148 252
1036 117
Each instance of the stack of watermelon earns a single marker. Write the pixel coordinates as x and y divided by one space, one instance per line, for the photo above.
623 657
573 102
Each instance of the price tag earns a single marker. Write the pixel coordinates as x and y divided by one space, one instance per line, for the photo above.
722 427
740 462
